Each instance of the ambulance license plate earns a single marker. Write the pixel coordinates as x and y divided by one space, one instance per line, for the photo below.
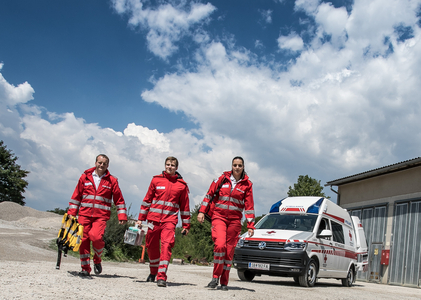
259 266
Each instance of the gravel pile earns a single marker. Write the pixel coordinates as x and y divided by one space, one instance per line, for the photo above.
11 211
23 216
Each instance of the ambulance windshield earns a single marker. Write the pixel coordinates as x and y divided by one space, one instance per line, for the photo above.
288 222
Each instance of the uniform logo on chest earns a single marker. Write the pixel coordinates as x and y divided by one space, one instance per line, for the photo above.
240 190
107 187
160 187
225 186
88 183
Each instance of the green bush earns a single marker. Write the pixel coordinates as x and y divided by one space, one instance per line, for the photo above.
197 244
115 248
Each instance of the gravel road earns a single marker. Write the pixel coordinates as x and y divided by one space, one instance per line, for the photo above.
27 271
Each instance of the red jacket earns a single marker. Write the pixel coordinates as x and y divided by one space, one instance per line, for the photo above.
167 194
230 204
91 202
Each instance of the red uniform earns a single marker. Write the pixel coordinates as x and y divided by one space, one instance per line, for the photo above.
226 219
167 194
94 208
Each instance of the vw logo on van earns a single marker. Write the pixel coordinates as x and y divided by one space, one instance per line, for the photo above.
262 245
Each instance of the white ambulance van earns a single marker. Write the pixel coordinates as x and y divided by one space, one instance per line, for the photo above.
305 238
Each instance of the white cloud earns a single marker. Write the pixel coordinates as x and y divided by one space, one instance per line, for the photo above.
166 24
266 15
13 95
333 21
337 109
308 6
291 42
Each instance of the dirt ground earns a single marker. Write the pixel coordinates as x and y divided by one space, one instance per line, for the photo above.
27 271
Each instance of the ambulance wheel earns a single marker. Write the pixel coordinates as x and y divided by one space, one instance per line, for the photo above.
245 275
310 277
349 280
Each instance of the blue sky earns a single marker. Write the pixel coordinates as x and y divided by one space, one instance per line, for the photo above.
324 88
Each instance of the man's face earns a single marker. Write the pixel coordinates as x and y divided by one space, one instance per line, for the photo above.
101 165
170 167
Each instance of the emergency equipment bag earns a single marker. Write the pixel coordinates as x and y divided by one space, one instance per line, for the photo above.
69 237
134 236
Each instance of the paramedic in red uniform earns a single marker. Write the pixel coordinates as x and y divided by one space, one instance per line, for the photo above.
167 194
92 201
235 195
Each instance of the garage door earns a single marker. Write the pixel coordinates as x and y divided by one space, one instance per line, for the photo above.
405 256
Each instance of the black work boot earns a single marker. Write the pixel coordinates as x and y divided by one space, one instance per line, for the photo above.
151 278
84 273
98 269
161 283
213 284
224 287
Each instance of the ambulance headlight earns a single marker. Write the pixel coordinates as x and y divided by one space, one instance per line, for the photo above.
295 246
240 243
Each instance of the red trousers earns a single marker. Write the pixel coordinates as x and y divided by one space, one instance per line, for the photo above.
93 231
159 260
225 237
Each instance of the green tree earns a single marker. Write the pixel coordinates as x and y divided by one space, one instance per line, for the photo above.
59 211
306 186
244 225
198 243
115 248
12 184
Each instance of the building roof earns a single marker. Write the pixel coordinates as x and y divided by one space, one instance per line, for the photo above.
377 172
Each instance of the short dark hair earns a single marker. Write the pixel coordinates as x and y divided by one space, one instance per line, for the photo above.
172 158
104 156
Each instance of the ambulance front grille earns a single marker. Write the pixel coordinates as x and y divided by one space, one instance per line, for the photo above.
269 245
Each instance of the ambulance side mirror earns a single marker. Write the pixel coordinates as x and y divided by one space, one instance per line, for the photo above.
326 233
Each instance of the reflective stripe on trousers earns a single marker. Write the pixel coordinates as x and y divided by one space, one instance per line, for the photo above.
225 237
163 232
93 231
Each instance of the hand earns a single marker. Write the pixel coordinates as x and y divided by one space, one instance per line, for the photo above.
184 231
201 217
122 222
250 232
